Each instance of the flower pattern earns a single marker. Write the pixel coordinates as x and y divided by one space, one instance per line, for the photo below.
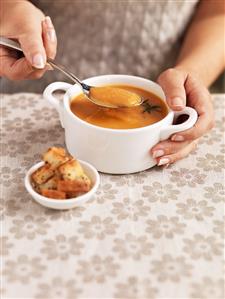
106 193
130 210
17 125
170 268
62 247
133 246
211 162
97 269
160 192
8 208
219 228
10 176
215 193
98 227
139 231
14 147
190 177
29 227
59 288
208 288
165 226
65 215
23 269
135 288
203 247
195 209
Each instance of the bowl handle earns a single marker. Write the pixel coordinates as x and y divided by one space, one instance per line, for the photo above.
168 131
54 101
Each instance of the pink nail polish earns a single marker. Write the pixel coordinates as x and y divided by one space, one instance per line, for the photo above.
157 153
177 138
163 161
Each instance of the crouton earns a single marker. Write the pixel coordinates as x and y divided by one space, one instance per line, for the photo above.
71 170
49 184
73 186
55 157
53 194
42 174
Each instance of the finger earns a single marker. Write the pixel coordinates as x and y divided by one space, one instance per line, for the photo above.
200 100
49 37
165 160
167 147
172 82
37 74
17 69
33 47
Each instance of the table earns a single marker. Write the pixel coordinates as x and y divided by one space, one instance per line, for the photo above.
155 234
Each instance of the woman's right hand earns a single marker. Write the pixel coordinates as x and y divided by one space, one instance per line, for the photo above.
25 23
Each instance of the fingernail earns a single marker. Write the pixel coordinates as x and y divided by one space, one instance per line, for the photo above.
51 35
48 22
163 161
177 138
38 61
157 153
178 102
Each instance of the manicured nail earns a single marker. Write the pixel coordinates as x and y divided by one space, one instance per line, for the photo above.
48 22
51 35
38 61
157 153
163 161
177 138
177 102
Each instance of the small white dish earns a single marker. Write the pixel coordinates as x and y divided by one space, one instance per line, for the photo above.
64 204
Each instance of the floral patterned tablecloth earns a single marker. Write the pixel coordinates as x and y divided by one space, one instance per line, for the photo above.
155 234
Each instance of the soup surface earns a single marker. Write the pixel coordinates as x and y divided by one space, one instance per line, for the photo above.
151 111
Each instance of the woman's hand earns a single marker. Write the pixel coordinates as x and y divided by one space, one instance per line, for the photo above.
182 88
25 23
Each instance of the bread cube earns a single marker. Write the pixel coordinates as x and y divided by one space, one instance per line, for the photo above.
73 186
71 170
55 157
42 174
50 184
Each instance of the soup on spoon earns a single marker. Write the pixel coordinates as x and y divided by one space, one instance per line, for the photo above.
115 97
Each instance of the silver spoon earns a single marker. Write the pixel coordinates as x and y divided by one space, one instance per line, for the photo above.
84 87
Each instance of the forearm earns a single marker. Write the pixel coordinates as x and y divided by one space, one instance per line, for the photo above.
203 51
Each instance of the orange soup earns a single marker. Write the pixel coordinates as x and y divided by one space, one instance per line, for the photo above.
152 110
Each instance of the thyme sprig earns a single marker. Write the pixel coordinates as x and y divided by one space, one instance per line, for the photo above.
148 107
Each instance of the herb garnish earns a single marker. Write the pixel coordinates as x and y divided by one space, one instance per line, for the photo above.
148 107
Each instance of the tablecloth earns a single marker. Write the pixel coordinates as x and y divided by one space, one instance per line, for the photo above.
154 234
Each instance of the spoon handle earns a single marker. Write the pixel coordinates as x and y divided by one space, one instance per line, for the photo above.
9 43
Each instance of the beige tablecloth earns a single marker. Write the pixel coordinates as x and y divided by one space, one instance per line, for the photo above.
155 234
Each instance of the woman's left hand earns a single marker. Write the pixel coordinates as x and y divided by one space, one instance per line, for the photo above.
182 88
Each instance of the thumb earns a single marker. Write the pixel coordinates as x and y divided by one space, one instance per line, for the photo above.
172 83
33 48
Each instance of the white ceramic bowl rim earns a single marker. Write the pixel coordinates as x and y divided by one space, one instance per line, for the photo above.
45 199
68 98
